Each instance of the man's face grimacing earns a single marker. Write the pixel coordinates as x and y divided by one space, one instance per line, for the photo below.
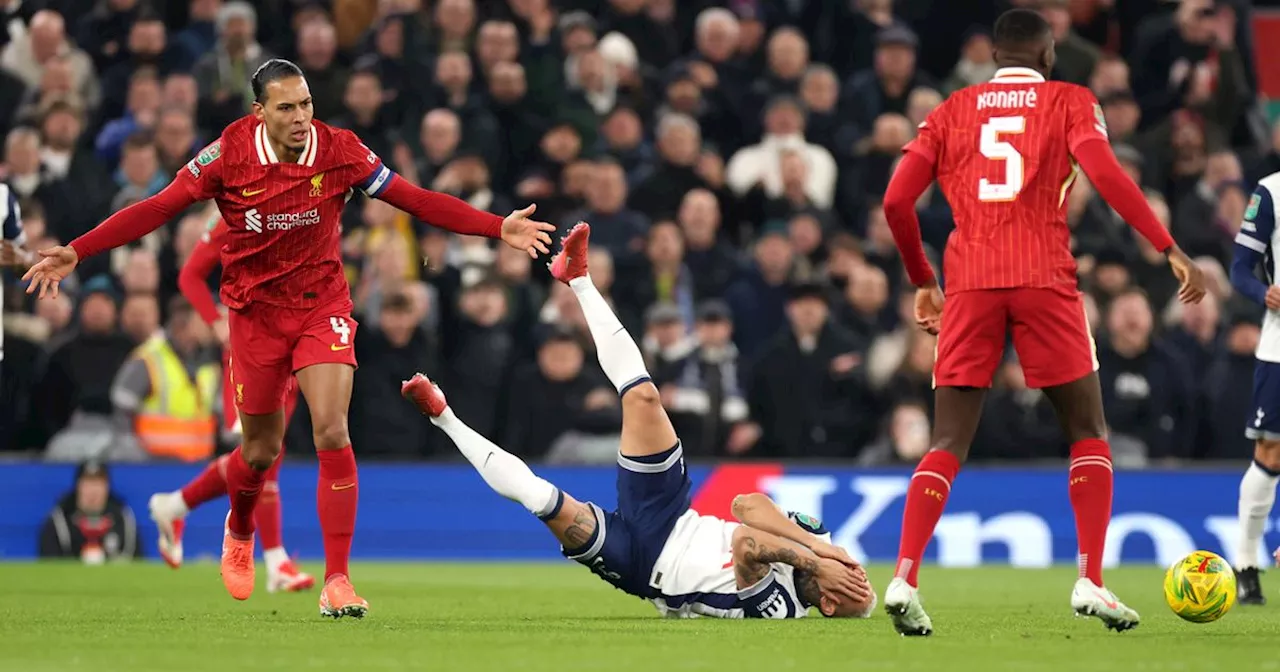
287 112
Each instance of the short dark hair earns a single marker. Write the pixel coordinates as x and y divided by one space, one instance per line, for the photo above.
1019 27
273 70
397 302
138 140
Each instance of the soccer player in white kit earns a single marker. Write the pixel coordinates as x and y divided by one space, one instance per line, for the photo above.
769 565
1258 245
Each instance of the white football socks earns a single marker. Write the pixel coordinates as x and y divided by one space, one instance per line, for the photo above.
504 472
618 353
274 557
1257 494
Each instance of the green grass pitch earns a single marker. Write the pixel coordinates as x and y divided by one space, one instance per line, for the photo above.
509 617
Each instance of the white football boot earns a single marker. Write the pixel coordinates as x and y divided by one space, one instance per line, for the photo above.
1088 599
169 511
285 576
902 603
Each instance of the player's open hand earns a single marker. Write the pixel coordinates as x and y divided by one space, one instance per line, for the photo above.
929 302
56 264
1189 275
526 234
839 579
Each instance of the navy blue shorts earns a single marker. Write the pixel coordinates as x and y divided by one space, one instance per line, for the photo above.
1265 421
653 492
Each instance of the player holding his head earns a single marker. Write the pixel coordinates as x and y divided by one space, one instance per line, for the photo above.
169 509
772 565
1006 154
280 179
1257 244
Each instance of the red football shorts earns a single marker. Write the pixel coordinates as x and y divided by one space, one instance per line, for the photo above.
1050 334
230 416
270 343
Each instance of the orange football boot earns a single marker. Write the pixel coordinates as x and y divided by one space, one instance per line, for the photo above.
237 564
425 395
338 599
571 261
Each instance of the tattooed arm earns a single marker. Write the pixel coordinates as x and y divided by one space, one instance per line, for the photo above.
756 510
815 577
754 550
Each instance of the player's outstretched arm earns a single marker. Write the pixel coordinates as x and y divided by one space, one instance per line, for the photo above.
122 228
454 214
1099 163
1251 246
758 511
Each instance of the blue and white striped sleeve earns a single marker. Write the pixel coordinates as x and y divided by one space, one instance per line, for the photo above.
1259 221
1252 243
11 217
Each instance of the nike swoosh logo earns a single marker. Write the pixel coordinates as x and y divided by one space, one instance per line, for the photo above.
337 348
343 486
246 193
1111 604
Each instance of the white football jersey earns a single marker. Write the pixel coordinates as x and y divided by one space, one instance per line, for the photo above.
695 576
1259 233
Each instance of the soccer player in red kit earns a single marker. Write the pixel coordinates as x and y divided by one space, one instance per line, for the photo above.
280 180
169 509
1006 154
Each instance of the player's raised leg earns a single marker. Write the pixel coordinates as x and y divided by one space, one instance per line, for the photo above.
1056 348
572 522
648 442
970 345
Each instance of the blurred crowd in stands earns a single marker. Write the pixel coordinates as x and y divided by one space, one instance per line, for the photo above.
730 156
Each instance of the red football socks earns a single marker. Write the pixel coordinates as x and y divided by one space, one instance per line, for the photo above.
1090 488
267 514
209 485
337 494
244 485
926 498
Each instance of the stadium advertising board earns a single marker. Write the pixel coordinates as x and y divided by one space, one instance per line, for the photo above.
995 516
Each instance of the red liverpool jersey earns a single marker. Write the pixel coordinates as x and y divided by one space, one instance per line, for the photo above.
283 244
1003 156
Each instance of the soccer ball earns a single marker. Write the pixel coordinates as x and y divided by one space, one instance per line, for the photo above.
1200 587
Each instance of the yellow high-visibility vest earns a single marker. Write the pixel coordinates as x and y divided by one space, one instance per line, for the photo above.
176 420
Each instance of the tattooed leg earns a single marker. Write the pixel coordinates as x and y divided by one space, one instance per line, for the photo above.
574 525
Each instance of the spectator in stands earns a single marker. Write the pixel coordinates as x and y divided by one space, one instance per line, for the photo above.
90 522
166 395
221 74
478 356
440 136
27 56
142 110
760 166
198 37
977 62
104 32
139 175
562 405
1017 423
905 438
519 127
679 144
712 261
317 49
74 393
79 185
176 139
395 343
452 91
702 391
1145 384
887 85
620 230
806 390
1077 57
139 316
147 48
1228 402
758 297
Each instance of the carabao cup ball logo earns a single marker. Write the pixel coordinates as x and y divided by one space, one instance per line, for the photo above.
1200 587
